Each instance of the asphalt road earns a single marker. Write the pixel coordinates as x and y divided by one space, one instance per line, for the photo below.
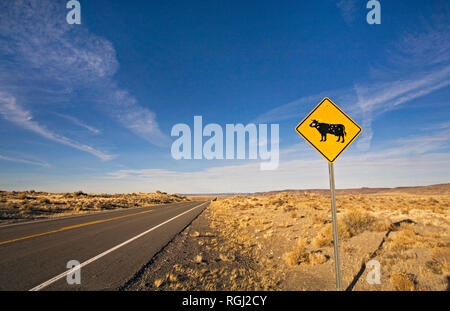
111 247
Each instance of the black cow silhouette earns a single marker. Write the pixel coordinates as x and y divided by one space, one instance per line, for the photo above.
325 128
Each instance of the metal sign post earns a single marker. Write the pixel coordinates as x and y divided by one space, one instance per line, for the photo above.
328 120
337 264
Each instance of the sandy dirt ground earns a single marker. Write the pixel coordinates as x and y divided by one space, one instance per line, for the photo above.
283 241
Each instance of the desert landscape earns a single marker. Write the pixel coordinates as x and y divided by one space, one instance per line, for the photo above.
280 240
283 241
16 206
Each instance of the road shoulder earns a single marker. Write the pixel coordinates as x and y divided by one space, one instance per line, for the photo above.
199 258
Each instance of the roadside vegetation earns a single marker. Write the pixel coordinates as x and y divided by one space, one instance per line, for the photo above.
28 205
291 234
284 241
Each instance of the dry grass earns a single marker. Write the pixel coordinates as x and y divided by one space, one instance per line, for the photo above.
283 241
404 239
440 260
401 281
16 206
198 259
299 255
276 229
158 282
350 224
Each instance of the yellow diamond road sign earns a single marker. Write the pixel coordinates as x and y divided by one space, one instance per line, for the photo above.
328 129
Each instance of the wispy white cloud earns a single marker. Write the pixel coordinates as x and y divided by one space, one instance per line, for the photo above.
297 108
42 51
286 111
79 123
367 100
378 98
416 65
385 96
138 119
24 161
349 10
13 112
423 48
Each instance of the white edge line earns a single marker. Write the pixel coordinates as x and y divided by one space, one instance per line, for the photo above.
60 276
85 214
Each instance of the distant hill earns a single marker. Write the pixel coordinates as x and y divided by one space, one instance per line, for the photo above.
213 194
432 189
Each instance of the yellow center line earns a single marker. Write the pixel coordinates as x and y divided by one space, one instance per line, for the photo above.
72 227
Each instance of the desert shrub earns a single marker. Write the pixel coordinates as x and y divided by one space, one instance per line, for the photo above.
12 205
350 224
381 225
319 218
440 260
404 239
401 281
198 258
244 206
356 221
317 258
226 258
22 196
294 215
277 202
300 255
324 237
26 205
158 282
44 201
288 208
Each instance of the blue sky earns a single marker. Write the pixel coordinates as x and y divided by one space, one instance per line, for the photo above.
91 106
